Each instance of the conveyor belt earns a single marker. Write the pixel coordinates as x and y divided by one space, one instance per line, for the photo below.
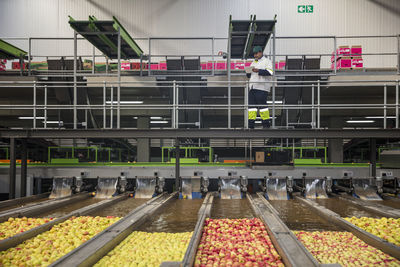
8 51
246 34
107 38
23 202
368 238
91 251
19 238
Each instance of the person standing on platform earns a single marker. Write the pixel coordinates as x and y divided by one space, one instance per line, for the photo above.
260 73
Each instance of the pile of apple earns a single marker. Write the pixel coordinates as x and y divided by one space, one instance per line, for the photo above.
236 242
385 228
147 249
55 243
15 226
343 248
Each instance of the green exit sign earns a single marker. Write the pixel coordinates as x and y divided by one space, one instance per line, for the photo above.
305 9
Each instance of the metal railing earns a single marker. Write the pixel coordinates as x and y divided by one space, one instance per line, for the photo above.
106 105
212 55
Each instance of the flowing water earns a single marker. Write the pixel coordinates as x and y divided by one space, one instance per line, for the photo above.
231 208
180 215
68 208
276 189
106 187
121 208
315 188
365 189
61 187
298 216
393 203
344 208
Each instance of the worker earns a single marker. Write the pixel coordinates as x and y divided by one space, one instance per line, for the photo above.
260 75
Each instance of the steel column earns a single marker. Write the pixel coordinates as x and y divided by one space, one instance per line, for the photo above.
398 54
75 80
12 171
24 161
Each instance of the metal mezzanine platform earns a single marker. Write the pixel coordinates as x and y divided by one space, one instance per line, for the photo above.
200 133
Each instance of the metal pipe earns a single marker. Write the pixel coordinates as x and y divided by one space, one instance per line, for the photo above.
119 81
229 78
34 104
273 76
93 59
335 51
177 165
45 106
104 105
212 53
149 59
397 104
246 103
29 56
398 54
319 104
75 87
24 159
112 107
176 107
384 107
173 122
313 108
12 172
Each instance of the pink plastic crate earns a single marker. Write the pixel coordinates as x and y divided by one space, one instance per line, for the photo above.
163 65
155 66
135 65
356 50
221 65
357 62
343 50
203 65
344 63
247 64
276 65
125 66
239 65
210 65
281 65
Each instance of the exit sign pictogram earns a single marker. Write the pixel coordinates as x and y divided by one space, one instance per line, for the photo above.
305 9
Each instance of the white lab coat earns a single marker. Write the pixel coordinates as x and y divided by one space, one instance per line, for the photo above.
261 82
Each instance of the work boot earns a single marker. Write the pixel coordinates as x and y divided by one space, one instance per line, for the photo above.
251 124
266 124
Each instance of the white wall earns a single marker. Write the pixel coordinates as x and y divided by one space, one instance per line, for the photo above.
143 18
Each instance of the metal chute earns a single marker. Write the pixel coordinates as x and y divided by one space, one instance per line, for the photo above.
62 187
106 187
365 188
276 188
231 187
148 186
315 188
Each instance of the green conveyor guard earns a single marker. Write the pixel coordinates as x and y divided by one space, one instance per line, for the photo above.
103 35
8 51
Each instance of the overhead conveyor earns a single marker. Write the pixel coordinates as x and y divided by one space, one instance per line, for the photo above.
8 51
103 34
246 34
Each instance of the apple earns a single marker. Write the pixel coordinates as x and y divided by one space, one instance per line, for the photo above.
343 248
15 226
